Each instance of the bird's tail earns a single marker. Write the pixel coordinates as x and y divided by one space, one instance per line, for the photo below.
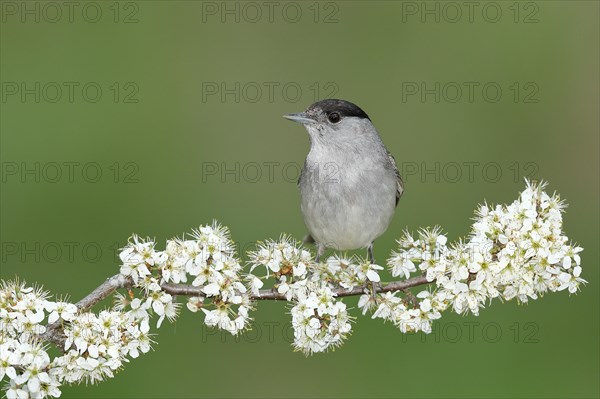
308 239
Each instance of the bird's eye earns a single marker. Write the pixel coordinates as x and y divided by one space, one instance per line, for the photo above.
334 117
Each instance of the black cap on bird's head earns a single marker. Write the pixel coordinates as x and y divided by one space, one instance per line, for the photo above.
332 109
342 107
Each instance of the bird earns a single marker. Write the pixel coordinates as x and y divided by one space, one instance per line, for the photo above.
349 184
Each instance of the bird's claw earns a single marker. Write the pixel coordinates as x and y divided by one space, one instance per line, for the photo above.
374 287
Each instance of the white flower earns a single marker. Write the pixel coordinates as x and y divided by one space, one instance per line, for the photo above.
255 284
389 304
8 360
162 304
16 391
372 274
139 309
349 273
218 318
366 302
285 253
137 257
194 304
402 265
171 310
63 310
299 269
212 289
571 281
319 320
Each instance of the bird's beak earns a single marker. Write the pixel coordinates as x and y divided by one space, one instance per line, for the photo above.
300 117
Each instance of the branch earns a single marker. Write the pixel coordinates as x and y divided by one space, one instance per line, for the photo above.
55 334
104 290
54 331
189 290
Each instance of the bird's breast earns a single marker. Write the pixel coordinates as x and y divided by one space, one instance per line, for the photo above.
347 203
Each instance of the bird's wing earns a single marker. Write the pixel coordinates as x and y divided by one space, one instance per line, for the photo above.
308 239
301 175
399 181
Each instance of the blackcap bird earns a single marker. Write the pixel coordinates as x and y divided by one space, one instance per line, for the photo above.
350 183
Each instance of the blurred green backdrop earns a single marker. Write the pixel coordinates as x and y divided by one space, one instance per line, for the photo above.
145 94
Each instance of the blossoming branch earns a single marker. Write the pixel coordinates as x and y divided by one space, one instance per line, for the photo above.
515 251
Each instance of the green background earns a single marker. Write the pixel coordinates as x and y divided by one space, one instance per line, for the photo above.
371 52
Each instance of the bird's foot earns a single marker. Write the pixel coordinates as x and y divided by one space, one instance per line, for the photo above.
374 288
320 252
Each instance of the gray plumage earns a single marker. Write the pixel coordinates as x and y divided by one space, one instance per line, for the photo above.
350 183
